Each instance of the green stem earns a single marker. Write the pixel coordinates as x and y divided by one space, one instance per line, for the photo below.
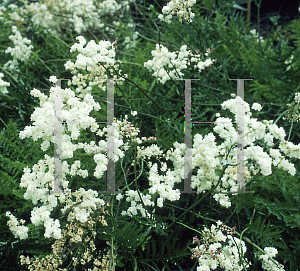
190 228
44 64
136 86
147 38
3 122
145 16
174 29
239 247
136 184
111 262
198 215
290 132
9 75
257 247
202 198
280 116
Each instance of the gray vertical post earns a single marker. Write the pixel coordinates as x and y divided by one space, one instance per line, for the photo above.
188 137
240 137
110 185
57 146
110 139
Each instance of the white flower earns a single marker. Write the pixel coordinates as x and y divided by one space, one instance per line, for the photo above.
81 40
163 58
278 133
232 105
133 113
267 264
3 85
20 52
297 97
256 106
227 257
53 79
181 8
52 228
119 196
208 157
39 215
255 34
160 202
164 167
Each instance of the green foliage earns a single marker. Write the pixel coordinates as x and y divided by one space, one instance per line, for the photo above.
15 154
271 215
129 236
161 254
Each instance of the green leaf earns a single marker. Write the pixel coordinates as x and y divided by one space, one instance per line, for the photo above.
209 4
293 219
239 7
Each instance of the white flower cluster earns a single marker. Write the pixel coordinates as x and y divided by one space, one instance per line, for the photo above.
89 201
225 251
39 182
2 10
208 158
133 197
52 16
41 17
109 6
19 231
255 130
181 8
256 106
12 14
267 264
163 185
3 84
255 34
297 97
20 52
89 59
74 112
163 58
289 62
131 43
219 250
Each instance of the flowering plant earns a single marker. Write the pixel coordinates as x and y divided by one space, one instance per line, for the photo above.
225 250
215 164
93 230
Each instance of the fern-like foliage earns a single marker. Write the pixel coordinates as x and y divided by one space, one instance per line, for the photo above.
262 230
15 155
164 252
